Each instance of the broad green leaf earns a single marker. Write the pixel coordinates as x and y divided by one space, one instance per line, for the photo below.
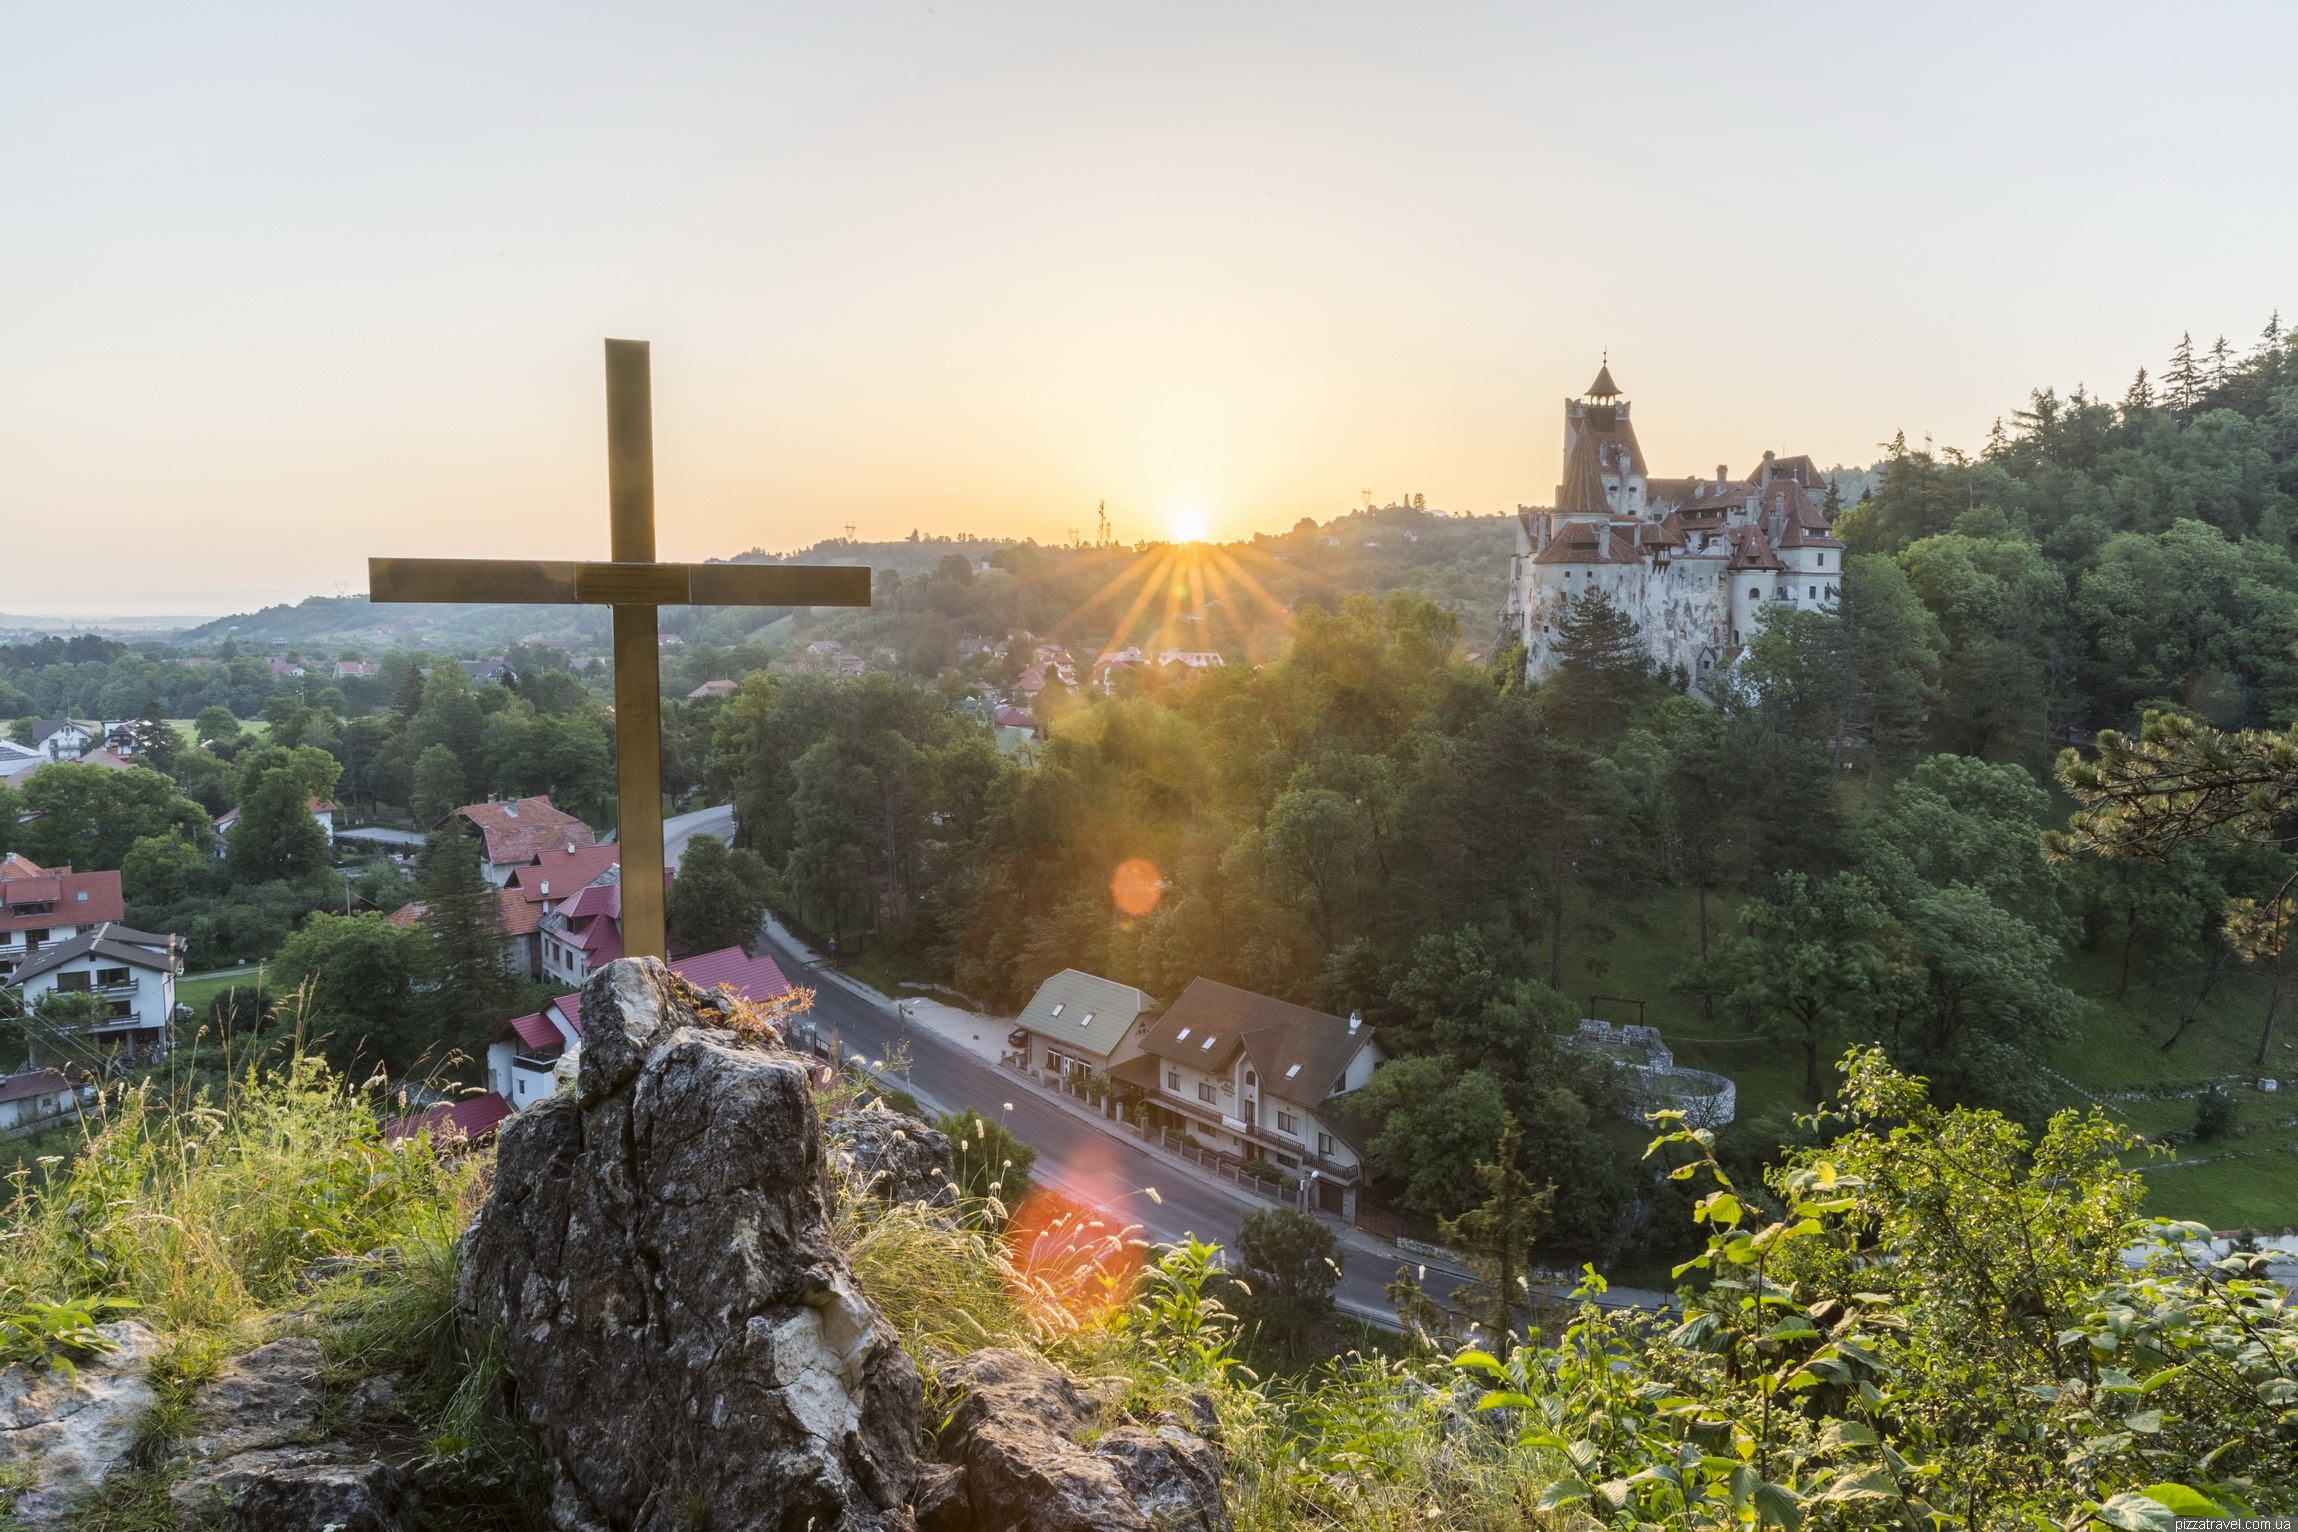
2135 1513
1863 1484
1717 1207
1794 1327
2165 1377
1507 1401
2145 1422
2182 1501
1846 1433
1563 1492
1778 1505
1484 1361
1615 1493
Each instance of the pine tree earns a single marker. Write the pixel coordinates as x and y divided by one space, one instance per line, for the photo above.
2221 356
2140 395
1601 666
2184 378
1497 1236
156 741
409 699
471 989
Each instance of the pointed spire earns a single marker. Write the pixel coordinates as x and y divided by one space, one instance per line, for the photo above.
1604 387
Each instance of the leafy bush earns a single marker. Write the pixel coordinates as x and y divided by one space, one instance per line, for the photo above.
59 1335
2213 1115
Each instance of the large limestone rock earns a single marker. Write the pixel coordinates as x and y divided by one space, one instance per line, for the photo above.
1018 1467
68 1433
685 1339
894 1157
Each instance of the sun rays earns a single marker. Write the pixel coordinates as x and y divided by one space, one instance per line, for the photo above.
1169 591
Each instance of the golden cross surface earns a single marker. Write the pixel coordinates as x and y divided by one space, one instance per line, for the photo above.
634 585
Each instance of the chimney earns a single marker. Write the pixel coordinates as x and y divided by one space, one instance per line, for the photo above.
1355 1020
1766 479
1721 471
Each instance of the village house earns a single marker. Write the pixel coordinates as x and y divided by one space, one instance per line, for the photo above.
64 739
525 1053
1258 1079
1079 1024
133 973
711 689
40 907
37 1098
583 934
516 830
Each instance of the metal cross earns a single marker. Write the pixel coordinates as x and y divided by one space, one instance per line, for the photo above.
634 585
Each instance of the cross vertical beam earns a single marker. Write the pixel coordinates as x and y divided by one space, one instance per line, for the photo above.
637 649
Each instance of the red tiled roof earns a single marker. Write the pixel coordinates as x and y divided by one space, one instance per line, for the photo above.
711 689
558 873
754 978
517 830
1752 550
517 914
533 1029
597 899
407 914
26 882
472 1117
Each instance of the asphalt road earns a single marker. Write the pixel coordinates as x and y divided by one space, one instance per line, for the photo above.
1095 1166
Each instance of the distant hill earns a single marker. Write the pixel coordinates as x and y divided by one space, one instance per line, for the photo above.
1461 562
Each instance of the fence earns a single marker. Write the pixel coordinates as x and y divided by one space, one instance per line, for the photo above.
1228 1169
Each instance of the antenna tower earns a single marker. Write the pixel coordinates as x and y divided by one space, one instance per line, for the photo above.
1101 534
849 531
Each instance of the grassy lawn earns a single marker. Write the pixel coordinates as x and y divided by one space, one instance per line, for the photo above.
2249 1180
197 991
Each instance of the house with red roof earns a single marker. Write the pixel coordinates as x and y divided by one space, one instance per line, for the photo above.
40 907
517 830
524 1056
451 1122
517 918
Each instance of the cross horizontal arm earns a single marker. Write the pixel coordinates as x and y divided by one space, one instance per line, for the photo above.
555 582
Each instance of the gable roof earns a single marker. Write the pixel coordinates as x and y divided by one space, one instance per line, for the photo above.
472 1117
753 978
1298 1052
80 898
34 1082
557 873
141 949
1084 1011
517 829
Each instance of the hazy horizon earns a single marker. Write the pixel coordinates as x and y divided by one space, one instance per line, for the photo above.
307 286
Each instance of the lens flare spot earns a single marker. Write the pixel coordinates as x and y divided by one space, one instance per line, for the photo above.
1137 885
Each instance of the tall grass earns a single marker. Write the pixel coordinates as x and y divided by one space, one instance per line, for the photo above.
207 1201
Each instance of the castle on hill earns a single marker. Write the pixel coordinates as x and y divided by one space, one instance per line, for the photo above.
1695 562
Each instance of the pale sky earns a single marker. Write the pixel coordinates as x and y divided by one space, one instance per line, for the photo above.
287 286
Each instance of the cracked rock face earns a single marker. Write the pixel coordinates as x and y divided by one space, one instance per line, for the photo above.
898 1158
685 1339
72 1433
1019 1468
254 1455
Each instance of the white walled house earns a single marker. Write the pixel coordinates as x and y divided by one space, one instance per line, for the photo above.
1258 1078
38 1097
1695 563
41 906
1078 1023
133 973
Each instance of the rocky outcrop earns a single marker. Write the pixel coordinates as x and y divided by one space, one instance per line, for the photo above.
68 1432
255 1456
685 1339
1018 1466
896 1158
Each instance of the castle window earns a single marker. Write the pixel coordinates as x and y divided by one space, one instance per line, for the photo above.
1812 592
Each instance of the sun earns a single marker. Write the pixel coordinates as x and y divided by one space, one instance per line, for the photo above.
1188 525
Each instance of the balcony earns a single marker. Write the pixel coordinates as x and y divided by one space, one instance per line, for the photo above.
119 987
